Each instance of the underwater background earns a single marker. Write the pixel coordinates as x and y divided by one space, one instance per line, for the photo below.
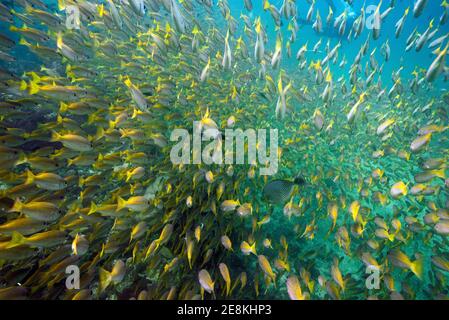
359 205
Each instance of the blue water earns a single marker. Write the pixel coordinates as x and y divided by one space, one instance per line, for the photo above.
410 60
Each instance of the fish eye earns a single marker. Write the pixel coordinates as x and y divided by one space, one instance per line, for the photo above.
74 94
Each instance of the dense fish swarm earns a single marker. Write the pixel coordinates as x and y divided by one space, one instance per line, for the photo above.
87 181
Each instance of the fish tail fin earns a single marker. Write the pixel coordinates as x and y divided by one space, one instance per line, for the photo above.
17 206
23 42
22 159
105 279
91 118
100 10
391 237
81 182
93 208
190 262
33 87
135 112
59 119
157 242
417 267
121 203
70 73
23 85
74 247
16 240
70 162
63 107
30 177
102 250
440 173
128 82
266 5
55 136
35 77
437 51
59 42
253 248
61 5
99 134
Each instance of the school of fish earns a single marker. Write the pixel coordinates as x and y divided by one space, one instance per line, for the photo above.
86 177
